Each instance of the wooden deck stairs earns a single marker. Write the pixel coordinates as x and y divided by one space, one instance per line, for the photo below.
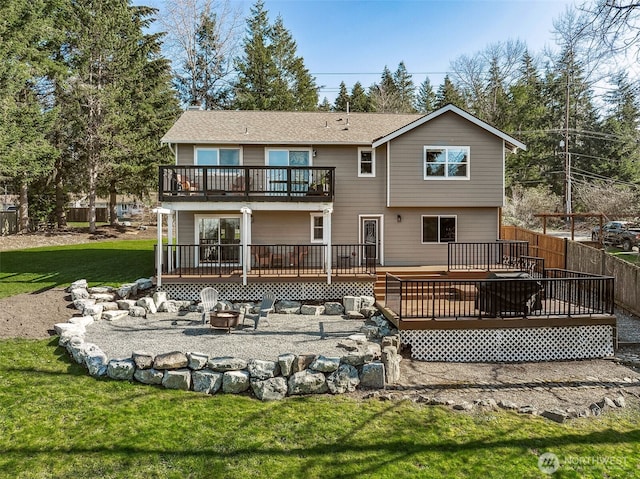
420 272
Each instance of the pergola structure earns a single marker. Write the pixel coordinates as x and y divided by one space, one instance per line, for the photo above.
572 216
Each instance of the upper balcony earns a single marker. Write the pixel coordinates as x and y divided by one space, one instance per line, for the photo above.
244 183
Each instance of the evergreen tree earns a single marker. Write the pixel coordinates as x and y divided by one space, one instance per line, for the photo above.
270 74
343 98
324 105
27 31
525 118
384 96
426 98
620 154
256 69
448 93
496 96
119 98
406 90
359 99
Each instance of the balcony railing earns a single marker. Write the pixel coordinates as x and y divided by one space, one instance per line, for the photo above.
562 294
242 183
211 260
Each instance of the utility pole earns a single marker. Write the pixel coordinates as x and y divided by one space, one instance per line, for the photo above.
567 155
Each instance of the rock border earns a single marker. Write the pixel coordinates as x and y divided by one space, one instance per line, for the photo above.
367 365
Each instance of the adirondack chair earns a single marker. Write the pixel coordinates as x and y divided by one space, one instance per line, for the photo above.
266 306
208 302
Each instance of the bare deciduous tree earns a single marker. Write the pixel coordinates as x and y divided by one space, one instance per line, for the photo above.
183 23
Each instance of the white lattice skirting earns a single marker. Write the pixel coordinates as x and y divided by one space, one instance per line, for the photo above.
510 345
295 291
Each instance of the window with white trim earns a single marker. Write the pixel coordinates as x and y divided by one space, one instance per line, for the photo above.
446 162
217 156
366 162
317 228
439 229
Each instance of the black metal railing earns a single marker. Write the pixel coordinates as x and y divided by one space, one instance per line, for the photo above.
201 259
489 256
237 183
562 295
214 259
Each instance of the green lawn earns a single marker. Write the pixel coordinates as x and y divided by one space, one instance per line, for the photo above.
109 263
57 422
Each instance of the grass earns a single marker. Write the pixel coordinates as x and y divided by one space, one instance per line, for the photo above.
58 422
101 263
632 257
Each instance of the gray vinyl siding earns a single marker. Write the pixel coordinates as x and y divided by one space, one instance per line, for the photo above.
367 196
185 228
185 154
408 188
403 240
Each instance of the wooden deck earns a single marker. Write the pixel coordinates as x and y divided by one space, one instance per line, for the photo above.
203 275
476 321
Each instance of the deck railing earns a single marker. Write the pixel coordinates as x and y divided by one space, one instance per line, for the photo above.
563 294
268 260
489 256
241 183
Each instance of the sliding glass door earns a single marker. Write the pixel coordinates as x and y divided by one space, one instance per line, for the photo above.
219 239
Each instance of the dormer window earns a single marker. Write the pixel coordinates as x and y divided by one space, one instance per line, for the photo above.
366 162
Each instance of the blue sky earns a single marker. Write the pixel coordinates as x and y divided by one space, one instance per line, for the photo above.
353 40
361 37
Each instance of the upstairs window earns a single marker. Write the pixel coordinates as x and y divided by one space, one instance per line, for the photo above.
218 156
366 162
439 229
446 162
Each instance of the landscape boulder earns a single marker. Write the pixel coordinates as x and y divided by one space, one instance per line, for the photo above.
272 389
177 379
344 379
235 382
307 382
121 369
172 360
206 381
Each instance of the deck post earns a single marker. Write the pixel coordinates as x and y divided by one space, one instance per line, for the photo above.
326 233
245 240
159 212
170 242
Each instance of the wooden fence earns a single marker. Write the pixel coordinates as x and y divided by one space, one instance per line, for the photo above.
585 258
552 249
82 214
8 223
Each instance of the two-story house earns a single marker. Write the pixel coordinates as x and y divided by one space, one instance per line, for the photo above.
324 197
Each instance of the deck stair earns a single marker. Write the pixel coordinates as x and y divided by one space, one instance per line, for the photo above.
426 273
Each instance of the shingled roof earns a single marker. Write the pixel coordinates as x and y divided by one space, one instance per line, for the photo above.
305 128
275 127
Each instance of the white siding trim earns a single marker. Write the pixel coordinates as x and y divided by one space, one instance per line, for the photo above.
388 174
467 116
373 162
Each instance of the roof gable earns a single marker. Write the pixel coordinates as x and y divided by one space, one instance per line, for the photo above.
454 109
